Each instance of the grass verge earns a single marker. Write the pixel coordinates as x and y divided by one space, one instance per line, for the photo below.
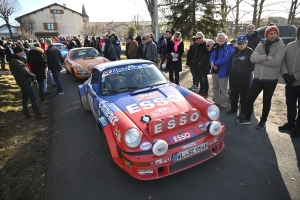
24 146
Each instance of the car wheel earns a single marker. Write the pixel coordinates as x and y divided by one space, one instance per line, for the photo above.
105 145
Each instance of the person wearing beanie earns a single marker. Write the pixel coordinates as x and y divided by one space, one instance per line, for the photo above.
55 64
113 50
24 79
267 57
290 71
38 63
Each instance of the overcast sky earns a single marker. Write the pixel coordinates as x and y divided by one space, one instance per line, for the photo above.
122 10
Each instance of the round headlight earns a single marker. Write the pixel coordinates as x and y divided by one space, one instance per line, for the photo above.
133 138
79 68
213 112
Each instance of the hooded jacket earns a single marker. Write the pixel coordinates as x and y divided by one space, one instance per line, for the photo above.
253 40
20 71
224 58
268 69
38 62
291 61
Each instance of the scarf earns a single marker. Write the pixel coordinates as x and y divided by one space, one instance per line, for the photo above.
176 44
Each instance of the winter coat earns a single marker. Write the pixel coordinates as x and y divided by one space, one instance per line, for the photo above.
151 51
176 65
106 46
240 66
38 62
44 46
224 58
200 60
132 50
268 69
291 61
54 59
20 71
86 42
113 51
253 40
8 52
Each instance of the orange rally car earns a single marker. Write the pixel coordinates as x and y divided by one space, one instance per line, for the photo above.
80 62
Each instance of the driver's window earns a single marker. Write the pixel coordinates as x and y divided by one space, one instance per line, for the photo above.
95 76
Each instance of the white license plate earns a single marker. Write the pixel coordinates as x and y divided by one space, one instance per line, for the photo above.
190 152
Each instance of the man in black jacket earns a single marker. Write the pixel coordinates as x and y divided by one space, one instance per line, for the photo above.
252 36
24 78
239 75
38 63
55 64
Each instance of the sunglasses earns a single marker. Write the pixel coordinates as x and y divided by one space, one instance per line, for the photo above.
199 38
241 43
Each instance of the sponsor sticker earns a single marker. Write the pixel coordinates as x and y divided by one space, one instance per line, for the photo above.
181 137
189 145
163 160
145 146
164 111
103 121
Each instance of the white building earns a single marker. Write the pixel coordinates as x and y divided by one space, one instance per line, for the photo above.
54 20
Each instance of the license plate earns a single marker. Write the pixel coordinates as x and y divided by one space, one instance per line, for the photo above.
190 152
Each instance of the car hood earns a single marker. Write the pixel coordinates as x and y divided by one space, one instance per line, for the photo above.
90 62
160 106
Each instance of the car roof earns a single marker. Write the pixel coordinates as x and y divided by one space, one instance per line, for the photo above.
122 63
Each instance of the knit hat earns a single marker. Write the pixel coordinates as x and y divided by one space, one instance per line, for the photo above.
130 37
17 50
271 28
298 32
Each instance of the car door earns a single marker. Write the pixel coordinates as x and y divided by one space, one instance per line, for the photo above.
93 92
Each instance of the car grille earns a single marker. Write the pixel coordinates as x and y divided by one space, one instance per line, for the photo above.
189 161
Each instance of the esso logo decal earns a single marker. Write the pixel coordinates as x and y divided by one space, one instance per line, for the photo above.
145 146
181 137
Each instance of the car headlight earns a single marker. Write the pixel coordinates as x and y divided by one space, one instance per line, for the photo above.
79 68
213 112
133 138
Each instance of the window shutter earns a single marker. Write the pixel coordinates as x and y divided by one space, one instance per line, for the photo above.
55 26
51 11
45 26
61 11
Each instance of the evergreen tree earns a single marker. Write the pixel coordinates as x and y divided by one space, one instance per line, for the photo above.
208 24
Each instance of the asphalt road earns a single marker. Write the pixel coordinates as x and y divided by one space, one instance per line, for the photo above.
254 164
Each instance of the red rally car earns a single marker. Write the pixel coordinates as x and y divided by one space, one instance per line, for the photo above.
150 127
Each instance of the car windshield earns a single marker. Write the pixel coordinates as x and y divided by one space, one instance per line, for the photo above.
59 46
131 78
84 53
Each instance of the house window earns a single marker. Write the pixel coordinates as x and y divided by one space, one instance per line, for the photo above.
55 11
50 26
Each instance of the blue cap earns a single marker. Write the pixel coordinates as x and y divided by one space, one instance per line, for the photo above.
242 38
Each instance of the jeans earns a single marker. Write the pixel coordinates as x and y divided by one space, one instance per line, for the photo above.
292 95
41 89
238 90
28 92
55 74
45 85
268 88
2 62
52 82
203 84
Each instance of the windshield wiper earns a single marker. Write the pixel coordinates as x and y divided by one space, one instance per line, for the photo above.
130 88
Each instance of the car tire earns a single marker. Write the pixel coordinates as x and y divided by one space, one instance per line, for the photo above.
105 145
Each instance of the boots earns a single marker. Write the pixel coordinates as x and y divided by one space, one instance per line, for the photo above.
40 116
27 116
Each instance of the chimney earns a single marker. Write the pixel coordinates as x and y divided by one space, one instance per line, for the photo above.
64 5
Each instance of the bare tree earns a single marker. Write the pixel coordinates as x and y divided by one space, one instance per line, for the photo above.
292 13
91 28
27 26
137 19
7 8
150 7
